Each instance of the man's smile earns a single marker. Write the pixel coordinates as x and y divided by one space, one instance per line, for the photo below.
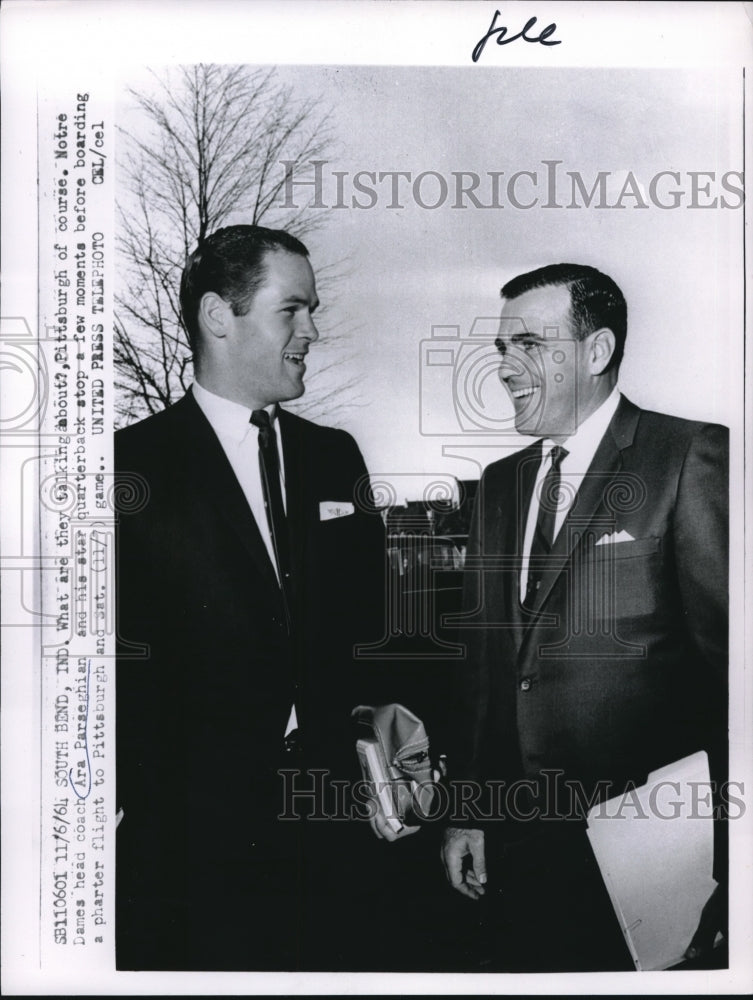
522 393
297 357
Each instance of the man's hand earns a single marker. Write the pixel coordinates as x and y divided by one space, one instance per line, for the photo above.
459 844
384 831
713 921
381 827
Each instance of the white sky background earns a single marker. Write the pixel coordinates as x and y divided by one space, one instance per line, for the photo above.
411 268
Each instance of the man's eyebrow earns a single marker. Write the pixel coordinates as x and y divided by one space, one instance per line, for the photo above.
525 335
301 300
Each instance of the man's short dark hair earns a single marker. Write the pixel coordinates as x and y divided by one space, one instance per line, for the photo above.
595 300
231 263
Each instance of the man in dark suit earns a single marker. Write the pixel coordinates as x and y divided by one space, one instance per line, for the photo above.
595 621
248 569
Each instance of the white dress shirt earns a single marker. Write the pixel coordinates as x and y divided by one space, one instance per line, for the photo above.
231 422
581 448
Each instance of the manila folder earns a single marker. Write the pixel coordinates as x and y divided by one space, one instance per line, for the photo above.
654 845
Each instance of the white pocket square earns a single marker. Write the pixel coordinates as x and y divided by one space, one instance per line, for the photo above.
616 536
329 509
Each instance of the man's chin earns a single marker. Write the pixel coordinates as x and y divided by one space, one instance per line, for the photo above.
530 428
293 392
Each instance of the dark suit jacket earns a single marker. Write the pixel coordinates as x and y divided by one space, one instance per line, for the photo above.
623 666
207 673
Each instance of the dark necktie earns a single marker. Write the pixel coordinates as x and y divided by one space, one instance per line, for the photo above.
543 536
269 465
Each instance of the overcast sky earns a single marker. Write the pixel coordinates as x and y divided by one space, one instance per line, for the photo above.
414 267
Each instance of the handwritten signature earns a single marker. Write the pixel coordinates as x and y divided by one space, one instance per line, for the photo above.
502 38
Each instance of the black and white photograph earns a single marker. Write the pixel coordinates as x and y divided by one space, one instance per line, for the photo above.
375 393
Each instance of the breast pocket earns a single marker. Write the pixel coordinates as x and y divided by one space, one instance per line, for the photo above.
629 549
335 543
623 580
337 530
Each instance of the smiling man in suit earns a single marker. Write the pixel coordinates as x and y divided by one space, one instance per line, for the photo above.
596 623
246 572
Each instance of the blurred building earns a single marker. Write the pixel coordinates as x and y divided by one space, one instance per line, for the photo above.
429 535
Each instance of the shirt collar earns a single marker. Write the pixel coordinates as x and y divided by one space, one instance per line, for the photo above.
582 445
228 419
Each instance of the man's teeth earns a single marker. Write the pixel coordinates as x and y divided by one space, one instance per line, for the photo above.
520 393
298 358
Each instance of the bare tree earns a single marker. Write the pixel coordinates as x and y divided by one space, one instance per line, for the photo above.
207 152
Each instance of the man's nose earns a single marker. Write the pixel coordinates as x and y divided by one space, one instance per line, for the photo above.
508 363
308 330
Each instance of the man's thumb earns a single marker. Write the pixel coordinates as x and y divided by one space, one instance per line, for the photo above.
479 858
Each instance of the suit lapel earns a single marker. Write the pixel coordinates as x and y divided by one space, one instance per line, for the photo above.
590 500
214 478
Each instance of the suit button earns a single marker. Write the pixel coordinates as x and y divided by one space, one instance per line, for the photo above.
525 684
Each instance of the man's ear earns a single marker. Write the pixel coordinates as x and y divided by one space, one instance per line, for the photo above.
601 349
214 315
